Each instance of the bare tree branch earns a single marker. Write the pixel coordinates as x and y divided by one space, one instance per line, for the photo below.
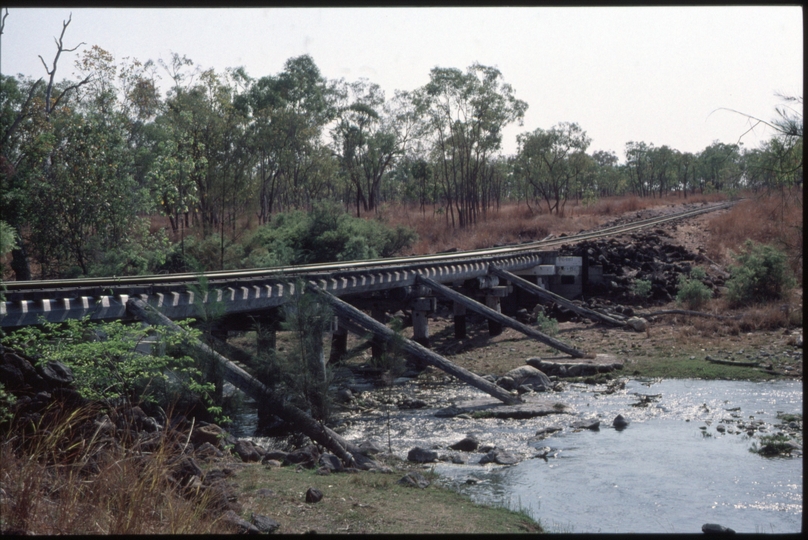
3 22
52 72
23 113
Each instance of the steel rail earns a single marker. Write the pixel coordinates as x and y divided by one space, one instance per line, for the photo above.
321 268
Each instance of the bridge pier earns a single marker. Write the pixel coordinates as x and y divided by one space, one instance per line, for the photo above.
492 300
339 342
459 321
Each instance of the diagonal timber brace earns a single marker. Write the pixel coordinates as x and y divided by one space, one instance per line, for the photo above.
362 323
346 451
500 318
541 292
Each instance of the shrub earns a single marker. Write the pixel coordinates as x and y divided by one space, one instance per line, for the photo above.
692 292
107 367
762 274
641 288
326 234
546 324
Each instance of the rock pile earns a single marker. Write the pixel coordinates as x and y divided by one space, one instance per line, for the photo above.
646 256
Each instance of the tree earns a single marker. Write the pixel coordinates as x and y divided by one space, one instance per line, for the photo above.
288 113
463 115
552 162
719 167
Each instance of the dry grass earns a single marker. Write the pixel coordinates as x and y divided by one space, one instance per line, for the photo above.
768 218
60 478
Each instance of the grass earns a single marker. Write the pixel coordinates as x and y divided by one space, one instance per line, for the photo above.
369 502
62 479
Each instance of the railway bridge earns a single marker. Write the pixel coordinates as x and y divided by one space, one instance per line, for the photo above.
489 282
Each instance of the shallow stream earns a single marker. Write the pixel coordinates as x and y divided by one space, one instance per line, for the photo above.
677 466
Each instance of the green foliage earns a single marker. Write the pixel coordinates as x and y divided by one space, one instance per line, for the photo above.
7 401
641 288
761 274
300 373
692 292
325 234
106 364
546 324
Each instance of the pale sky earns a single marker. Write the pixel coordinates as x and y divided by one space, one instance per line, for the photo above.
653 74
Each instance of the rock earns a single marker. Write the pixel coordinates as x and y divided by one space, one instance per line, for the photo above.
414 479
345 395
207 451
56 374
264 524
421 455
275 455
331 462
210 433
370 448
272 463
449 412
524 389
620 422
408 403
469 444
243 526
714 528
543 432
507 383
307 456
314 495
529 375
592 424
638 324
459 459
499 456
246 450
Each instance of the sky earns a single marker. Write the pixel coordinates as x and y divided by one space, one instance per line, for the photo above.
662 75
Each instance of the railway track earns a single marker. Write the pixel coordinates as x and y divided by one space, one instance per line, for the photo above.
256 290
19 290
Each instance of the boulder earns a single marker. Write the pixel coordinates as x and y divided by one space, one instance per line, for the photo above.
314 495
715 528
422 455
370 448
56 374
543 432
240 524
331 462
530 376
620 422
246 450
414 479
638 324
468 444
499 456
275 455
264 524
308 456
210 433
507 383
592 424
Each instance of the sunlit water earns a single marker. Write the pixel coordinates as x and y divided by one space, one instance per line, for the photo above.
662 474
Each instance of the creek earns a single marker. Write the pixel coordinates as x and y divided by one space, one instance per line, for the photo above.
683 460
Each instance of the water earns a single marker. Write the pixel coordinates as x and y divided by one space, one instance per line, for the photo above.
663 474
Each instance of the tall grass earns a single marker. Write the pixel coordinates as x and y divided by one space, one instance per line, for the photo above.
69 475
774 218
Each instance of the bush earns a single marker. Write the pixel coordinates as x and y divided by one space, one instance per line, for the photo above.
326 234
641 288
762 274
107 367
692 292
546 324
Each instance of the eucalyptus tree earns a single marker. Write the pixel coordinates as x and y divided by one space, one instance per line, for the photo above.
609 177
639 167
463 114
552 162
288 114
719 167
368 135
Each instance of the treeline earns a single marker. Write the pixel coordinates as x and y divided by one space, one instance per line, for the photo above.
85 163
